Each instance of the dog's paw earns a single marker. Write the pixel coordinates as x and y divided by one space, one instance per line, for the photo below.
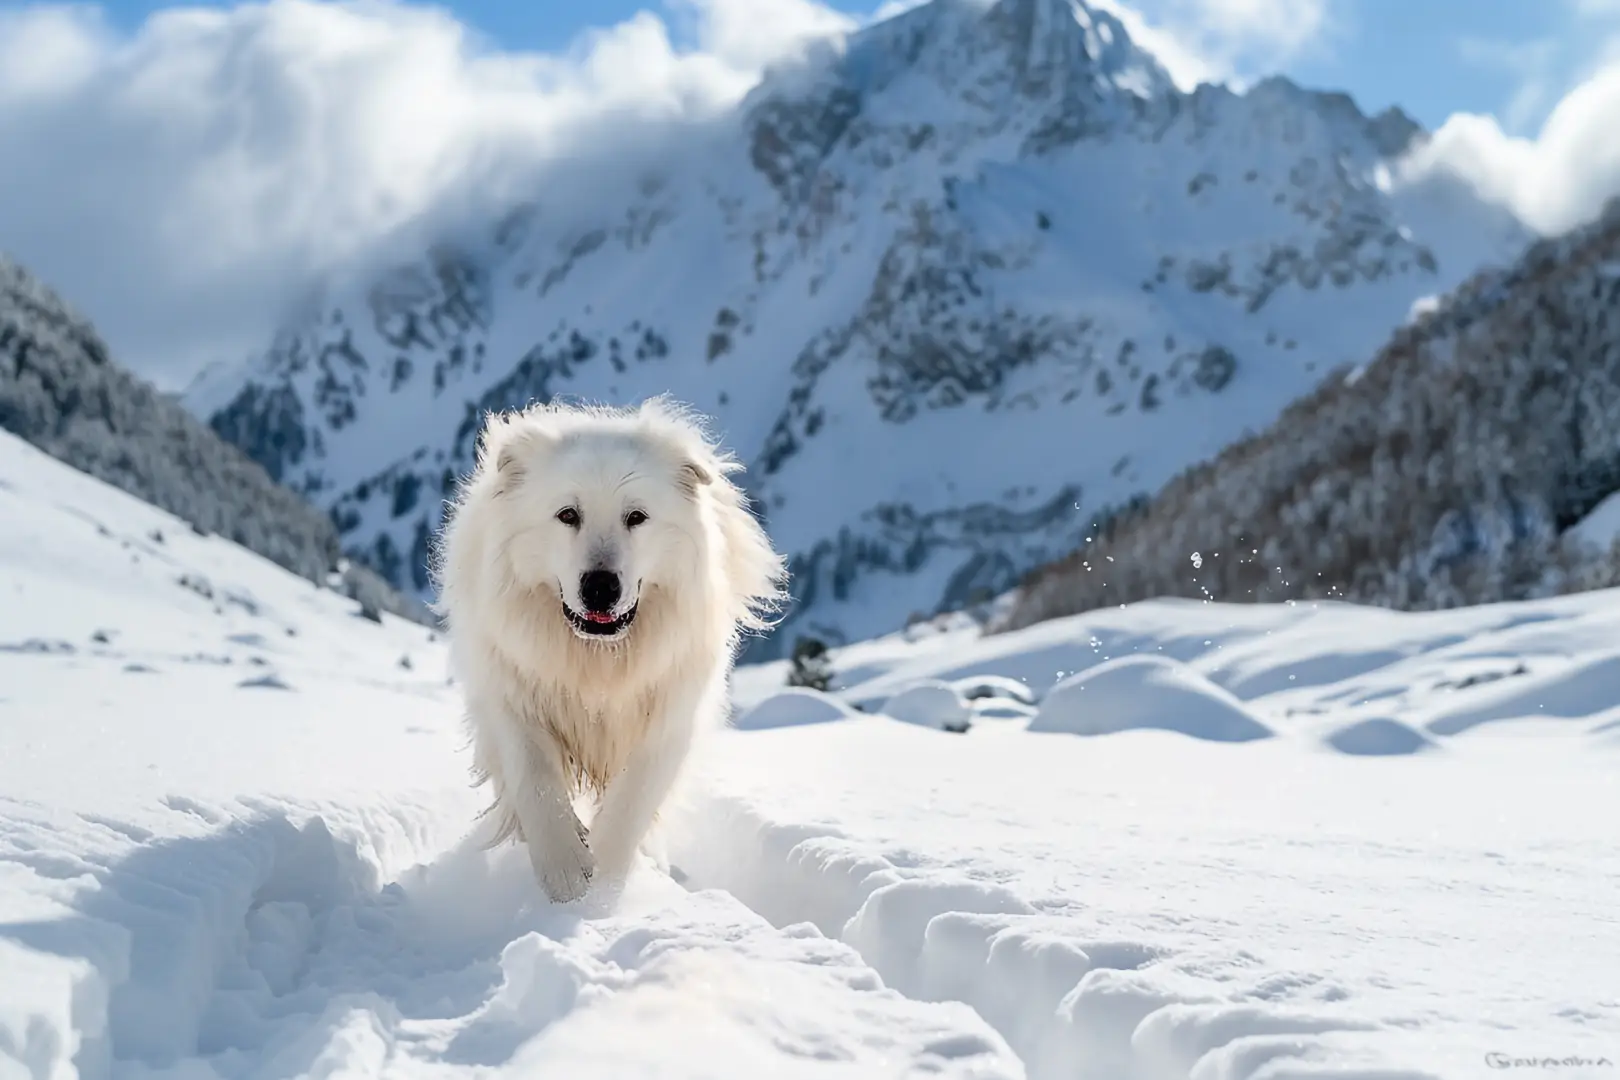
565 870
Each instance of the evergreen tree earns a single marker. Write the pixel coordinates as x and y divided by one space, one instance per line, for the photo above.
812 664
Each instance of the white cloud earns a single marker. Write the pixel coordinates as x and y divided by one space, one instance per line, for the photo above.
890 8
1557 174
1268 31
1229 41
183 184
47 49
1554 180
749 34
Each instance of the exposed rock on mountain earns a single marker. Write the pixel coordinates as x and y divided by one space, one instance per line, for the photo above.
954 290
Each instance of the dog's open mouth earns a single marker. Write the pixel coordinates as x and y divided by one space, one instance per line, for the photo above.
594 624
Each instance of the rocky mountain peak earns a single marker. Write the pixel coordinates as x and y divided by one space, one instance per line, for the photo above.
949 73
1025 49
1391 132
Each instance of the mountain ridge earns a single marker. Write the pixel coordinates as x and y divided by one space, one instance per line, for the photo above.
950 233
1457 466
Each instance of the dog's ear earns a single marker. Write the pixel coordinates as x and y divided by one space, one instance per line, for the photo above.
694 474
507 464
507 441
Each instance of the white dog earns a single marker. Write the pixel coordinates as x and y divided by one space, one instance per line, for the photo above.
596 573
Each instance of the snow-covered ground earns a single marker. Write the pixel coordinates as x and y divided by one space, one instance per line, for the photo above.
1175 840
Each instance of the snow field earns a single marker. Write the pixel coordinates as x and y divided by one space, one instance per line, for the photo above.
1114 910
201 876
1419 776
236 841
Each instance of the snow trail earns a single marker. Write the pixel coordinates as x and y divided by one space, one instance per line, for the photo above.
1071 1006
276 947
1114 907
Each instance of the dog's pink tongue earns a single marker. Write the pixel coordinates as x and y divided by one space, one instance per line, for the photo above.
598 616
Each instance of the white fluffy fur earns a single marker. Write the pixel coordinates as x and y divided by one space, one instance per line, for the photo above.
553 713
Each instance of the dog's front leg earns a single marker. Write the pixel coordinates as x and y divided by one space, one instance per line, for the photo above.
632 799
534 781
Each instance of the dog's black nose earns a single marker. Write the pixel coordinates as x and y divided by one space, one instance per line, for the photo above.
599 590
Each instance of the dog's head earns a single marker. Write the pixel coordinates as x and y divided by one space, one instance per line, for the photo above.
601 508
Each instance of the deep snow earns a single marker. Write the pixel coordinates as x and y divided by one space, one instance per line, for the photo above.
233 843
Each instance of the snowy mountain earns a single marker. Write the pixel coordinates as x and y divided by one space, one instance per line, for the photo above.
234 842
1475 458
955 288
60 390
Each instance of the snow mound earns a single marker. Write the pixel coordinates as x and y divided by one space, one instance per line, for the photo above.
931 704
1134 692
793 707
1378 737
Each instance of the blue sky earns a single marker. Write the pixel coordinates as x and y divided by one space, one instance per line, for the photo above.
1438 57
1508 58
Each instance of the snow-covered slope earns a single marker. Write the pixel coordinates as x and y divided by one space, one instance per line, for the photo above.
232 822
61 391
1464 463
954 289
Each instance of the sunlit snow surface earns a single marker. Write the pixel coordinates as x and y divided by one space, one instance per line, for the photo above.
1233 843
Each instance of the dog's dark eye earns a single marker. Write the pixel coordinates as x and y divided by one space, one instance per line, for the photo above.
634 518
569 517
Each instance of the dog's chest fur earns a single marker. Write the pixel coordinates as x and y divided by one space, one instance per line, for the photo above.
596 738
598 706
